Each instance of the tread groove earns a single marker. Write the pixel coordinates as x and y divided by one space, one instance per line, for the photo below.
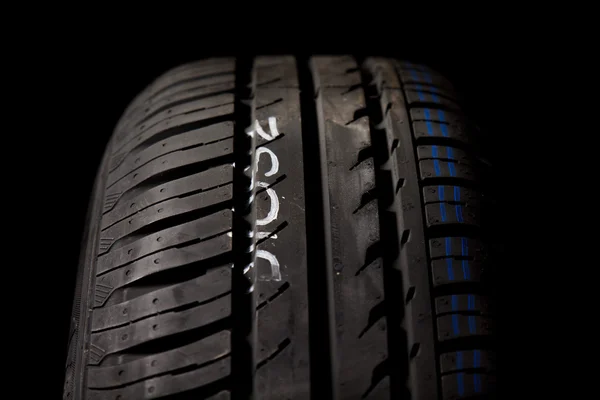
322 339
244 232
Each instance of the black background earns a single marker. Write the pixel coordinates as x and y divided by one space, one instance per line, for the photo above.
86 88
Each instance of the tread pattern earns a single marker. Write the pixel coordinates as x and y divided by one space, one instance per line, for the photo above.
457 254
391 301
358 281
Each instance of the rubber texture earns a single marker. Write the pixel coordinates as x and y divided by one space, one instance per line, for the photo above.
287 228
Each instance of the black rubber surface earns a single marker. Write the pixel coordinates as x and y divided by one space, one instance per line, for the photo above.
350 262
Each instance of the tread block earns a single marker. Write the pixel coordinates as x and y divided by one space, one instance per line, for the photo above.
165 128
432 90
456 247
276 72
445 169
162 325
167 384
459 326
190 94
211 225
171 258
432 115
461 303
442 153
204 180
197 353
449 270
213 284
337 71
444 213
410 73
170 162
465 385
456 194
195 137
170 208
417 94
384 69
467 359
422 129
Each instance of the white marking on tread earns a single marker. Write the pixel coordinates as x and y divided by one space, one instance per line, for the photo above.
262 235
274 210
274 160
275 271
272 128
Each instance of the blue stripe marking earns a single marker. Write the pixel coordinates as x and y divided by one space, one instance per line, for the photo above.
459 366
449 260
428 121
414 74
436 167
459 214
455 327
420 94
435 98
443 126
450 164
442 205
464 251
471 306
476 377
434 150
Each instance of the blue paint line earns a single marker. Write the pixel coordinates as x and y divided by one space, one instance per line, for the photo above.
420 93
442 204
436 167
442 115
451 167
459 213
477 383
459 366
471 324
443 125
435 98
428 121
454 302
451 164
449 260
464 251
455 327
434 153
461 383
414 74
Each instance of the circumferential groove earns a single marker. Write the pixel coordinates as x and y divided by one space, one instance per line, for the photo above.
243 338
